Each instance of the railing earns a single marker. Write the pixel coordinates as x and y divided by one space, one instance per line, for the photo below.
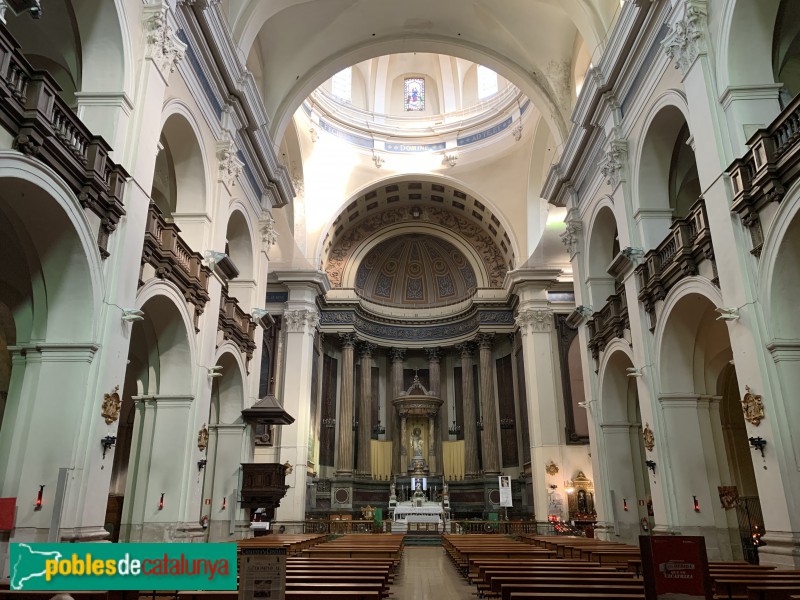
44 126
609 322
678 256
236 325
502 527
332 526
173 260
769 169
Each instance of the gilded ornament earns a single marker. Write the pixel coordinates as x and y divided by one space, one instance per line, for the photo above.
202 438
289 467
551 468
111 406
752 406
649 437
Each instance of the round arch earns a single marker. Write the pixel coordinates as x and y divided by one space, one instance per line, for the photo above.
617 357
106 47
184 144
692 346
239 236
777 274
653 155
434 179
601 234
59 250
228 391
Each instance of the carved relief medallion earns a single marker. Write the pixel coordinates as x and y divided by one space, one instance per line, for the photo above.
111 406
551 468
202 438
752 406
648 437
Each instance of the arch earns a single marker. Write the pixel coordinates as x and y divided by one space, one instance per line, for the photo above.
602 239
777 274
651 167
239 238
691 345
168 325
182 138
617 357
741 64
228 391
326 237
59 252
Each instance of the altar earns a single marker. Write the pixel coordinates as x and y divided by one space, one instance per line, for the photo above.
429 511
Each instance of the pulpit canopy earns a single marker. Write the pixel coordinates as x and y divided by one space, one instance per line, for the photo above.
269 411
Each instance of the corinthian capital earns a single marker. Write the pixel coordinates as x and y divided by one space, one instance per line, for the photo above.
535 320
301 321
230 167
686 38
163 46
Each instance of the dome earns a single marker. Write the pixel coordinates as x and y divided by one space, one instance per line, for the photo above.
415 270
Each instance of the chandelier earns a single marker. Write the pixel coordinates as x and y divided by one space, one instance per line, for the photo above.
455 429
378 429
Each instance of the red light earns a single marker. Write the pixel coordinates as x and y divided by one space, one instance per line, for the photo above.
224 503
161 502
39 498
696 504
625 504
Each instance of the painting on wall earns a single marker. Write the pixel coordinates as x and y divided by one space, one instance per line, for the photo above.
414 94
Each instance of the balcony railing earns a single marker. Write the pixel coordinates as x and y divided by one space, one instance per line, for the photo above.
769 169
609 322
677 257
173 260
44 127
236 325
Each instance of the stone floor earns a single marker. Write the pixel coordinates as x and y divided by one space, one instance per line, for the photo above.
427 573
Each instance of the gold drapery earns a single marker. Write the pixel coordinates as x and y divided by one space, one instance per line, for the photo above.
381 453
453 459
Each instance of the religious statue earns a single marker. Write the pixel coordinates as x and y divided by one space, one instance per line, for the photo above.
202 438
111 406
752 406
392 490
416 443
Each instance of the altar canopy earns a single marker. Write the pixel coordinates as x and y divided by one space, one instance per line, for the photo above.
381 459
453 459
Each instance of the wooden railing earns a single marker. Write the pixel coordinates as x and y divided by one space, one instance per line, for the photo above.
609 322
236 325
678 256
44 126
502 527
769 169
173 260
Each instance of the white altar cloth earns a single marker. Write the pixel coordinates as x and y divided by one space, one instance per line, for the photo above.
404 509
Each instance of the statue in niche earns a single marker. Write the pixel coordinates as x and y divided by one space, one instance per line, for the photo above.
416 443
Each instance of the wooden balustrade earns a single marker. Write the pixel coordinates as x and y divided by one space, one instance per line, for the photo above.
173 260
236 325
609 322
678 256
44 127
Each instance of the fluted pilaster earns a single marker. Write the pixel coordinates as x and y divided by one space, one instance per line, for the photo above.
363 466
491 452
396 385
471 466
344 458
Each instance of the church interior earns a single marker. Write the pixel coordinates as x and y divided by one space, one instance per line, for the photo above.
469 270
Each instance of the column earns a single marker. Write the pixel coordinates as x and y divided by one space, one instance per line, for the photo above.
363 467
491 449
403 445
471 467
344 457
301 318
434 359
432 443
396 386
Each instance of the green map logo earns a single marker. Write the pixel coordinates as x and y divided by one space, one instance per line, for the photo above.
53 567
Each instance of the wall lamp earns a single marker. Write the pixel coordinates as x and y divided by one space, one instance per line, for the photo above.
727 314
631 253
132 314
758 443
214 371
161 502
634 371
696 504
212 258
201 464
108 442
651 464
262 316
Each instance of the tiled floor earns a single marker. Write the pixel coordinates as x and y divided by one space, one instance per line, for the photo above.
427 574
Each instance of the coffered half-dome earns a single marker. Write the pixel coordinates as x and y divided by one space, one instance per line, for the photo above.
415 270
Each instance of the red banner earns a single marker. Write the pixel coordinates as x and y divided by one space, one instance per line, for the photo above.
675 568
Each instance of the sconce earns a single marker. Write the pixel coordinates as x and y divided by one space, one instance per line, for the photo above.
631 253
479 424
569 487
507 423
625 504
201 464
224 502
758 443
586 311
108 442
696 504
212 258
727 314
132 314
553 486
329 422
634 372
454 428
262 316
214 371
161 502
651 464
379 429
38 505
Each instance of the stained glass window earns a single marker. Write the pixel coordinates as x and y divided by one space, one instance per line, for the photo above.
487 82
415 94
342 84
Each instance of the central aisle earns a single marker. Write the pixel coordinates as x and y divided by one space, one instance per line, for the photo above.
428 574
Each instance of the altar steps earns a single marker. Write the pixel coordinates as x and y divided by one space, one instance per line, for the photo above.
420 539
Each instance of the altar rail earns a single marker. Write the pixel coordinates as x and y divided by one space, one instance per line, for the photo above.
333 527
44 127
501 527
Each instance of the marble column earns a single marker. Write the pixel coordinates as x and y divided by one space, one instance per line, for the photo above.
344 456
403 446
396 386
432 443
471 466
363 467
435 389
491 448
434 373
